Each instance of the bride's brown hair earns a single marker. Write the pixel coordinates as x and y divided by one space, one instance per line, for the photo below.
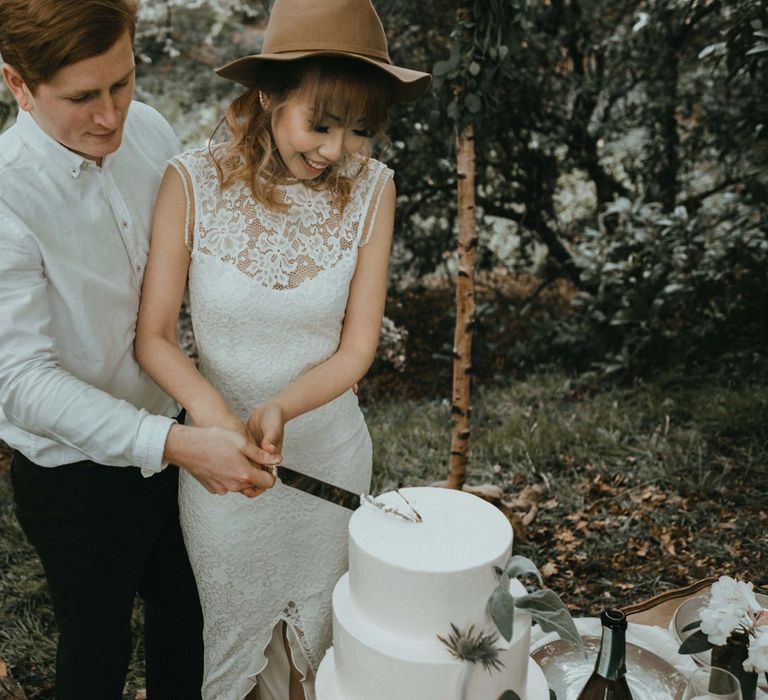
351 91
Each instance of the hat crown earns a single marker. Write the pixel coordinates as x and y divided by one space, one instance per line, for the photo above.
348 26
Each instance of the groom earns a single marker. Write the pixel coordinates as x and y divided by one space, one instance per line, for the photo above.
78 176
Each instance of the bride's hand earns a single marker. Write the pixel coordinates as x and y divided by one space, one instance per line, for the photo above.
266 426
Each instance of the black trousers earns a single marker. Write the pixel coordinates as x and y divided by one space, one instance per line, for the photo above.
105 534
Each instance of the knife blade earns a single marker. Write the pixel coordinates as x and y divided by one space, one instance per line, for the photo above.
315 487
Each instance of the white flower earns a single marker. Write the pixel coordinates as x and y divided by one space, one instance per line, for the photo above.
718 622
727 592
757 660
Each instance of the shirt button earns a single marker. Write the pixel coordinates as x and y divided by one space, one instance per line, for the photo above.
125 224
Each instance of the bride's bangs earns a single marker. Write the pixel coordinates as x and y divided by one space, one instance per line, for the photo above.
348 91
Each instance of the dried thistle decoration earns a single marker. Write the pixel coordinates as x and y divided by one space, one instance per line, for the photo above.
413 517
476 648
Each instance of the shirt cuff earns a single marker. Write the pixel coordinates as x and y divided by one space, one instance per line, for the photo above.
150 444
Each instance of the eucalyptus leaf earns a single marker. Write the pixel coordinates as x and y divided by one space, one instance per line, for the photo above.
543 599
502 608
520 566
509 695
474 68
695 644
559 621
691 626
551 614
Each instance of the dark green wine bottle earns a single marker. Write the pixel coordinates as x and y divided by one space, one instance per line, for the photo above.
608 681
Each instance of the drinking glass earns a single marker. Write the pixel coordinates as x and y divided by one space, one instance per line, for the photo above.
712 684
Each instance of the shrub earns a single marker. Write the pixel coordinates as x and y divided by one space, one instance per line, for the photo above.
674 287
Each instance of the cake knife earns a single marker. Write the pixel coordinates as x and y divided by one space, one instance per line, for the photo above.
315 487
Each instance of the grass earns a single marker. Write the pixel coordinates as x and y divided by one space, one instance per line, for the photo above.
554 427
26 618
631 491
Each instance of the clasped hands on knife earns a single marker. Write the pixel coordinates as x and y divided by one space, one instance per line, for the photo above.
224 454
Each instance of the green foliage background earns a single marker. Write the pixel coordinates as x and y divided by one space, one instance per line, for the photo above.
622 146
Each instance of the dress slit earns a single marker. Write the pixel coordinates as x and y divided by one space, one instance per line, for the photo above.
273 676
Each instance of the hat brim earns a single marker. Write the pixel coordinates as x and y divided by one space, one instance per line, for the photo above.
409 84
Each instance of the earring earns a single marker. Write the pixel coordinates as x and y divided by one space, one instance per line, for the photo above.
263 100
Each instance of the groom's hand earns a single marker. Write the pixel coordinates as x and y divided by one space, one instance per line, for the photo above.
222 460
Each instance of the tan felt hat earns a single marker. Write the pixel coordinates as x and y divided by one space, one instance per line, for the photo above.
350 28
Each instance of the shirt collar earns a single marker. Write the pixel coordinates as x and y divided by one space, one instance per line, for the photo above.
43 143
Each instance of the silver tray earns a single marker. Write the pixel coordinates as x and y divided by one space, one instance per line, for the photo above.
567 670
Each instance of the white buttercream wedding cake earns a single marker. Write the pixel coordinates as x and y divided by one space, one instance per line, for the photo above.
407 583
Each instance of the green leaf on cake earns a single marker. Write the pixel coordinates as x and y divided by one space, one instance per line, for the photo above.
546 608
502 608
692 626
695 644
509 695
521 566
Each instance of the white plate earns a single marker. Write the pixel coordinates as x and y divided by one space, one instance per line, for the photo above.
567 670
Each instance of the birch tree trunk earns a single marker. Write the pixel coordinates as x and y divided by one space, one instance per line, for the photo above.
461 409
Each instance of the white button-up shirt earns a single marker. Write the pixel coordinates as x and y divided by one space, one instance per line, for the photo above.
74 239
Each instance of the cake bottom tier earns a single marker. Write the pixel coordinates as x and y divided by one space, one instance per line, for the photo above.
372 662
327 688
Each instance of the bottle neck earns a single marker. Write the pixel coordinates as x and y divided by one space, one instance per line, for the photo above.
611 661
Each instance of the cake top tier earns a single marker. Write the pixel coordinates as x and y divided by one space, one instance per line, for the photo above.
458 531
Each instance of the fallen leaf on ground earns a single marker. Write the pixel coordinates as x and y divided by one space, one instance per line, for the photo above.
549 569
489 492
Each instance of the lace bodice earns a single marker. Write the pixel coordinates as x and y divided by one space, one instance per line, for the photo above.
278 249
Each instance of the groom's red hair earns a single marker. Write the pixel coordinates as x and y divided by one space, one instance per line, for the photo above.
39 37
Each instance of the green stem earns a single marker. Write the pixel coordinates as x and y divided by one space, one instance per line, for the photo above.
468 668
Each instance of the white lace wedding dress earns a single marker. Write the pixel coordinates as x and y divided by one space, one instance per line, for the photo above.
268 291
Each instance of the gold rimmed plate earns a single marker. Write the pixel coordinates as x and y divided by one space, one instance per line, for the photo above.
567 669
